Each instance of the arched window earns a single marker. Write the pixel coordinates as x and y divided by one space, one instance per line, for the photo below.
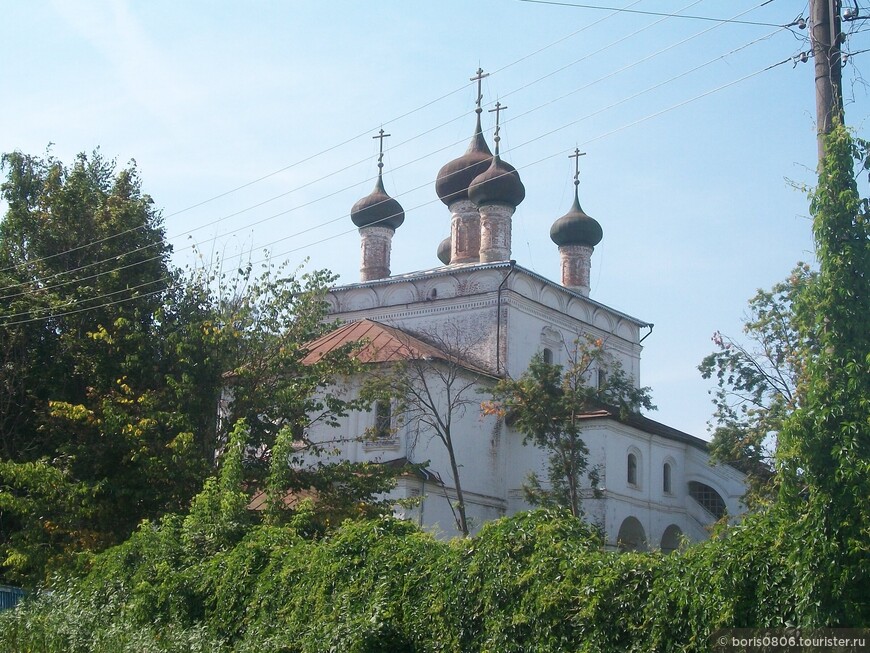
666 478
709 498
551 344
632 469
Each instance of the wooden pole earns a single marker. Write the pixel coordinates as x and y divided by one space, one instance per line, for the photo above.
825 37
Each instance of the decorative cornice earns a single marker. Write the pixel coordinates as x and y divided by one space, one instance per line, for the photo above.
465 269
568 322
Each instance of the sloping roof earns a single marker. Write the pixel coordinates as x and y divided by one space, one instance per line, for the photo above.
381 344
647 425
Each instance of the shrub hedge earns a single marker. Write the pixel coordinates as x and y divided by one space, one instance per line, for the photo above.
538 581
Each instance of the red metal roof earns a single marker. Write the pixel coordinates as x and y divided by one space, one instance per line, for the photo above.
380 344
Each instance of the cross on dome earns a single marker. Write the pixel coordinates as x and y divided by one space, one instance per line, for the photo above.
381 136
497 110
479 79
576 156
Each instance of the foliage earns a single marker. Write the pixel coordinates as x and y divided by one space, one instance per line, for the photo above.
548 404
282 395
113 365
537 581
45 517
825 444
219 514
96 389
757 381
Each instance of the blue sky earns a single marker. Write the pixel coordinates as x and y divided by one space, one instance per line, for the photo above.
695 157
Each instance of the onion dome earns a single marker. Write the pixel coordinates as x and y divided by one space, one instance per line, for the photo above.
378 209
576 228
500 184
444 250
455 177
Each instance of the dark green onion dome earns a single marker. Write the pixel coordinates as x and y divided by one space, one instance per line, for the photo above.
576 228
444 250
455 177
378 209
500 184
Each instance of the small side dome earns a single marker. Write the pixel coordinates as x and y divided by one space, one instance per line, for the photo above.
444 249
500 184
455 177
576 228
378 209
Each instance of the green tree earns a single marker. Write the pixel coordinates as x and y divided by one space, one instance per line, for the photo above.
87 343
824 453
80 248
283 397
757 380
548 405
113 365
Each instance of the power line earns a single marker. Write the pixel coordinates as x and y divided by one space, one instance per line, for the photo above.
350 231
303 160
616 12
328 175
657 13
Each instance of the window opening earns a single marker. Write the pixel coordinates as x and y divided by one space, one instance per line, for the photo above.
383 420
709 498
632 469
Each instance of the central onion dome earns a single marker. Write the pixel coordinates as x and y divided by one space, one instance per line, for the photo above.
576 227
455 177
378 209
499 184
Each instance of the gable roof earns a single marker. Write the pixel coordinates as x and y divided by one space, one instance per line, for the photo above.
381 344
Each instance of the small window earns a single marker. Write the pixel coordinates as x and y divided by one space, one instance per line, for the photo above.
666 478
602 378
632 469
383 420
548 355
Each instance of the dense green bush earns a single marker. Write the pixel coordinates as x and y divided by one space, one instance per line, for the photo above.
538 581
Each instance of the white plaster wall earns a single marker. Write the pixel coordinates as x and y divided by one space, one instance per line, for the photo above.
525 338
494 462
494 465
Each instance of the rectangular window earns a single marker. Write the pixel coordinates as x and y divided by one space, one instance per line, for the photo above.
383 420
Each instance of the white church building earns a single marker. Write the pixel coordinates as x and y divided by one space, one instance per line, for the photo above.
656 484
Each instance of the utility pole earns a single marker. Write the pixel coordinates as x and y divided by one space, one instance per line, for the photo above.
825 37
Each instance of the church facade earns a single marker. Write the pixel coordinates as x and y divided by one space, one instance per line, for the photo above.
483 317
